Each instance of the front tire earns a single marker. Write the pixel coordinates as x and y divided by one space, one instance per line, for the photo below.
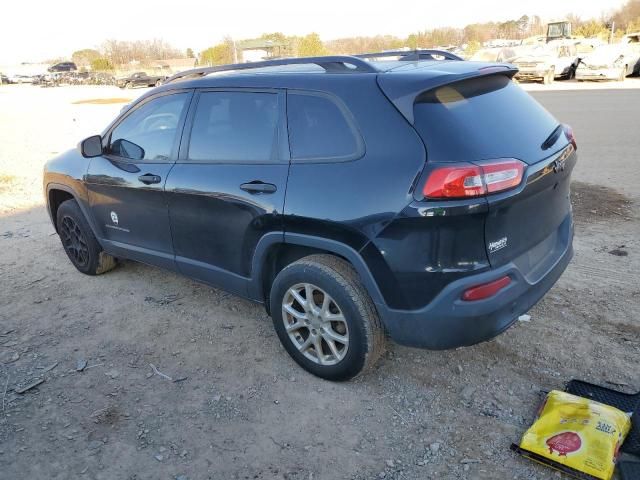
325 318
79 242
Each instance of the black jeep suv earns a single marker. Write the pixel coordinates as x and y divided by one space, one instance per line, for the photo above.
353 196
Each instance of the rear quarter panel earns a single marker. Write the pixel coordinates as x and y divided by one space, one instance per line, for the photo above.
353 201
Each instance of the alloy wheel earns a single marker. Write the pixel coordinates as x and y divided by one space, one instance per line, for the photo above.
74 242
315 324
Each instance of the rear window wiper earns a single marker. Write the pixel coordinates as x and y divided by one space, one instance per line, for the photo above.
551 139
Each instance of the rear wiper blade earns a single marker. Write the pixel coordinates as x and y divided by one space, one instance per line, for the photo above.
551 139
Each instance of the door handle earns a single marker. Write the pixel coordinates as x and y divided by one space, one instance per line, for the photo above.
149 178
258 187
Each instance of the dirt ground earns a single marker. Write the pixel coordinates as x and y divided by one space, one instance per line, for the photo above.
236 406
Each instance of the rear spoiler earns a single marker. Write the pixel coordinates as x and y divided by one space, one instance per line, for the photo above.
402 87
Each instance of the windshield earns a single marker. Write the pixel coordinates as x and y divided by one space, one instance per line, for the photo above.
535 51
556 30
604 55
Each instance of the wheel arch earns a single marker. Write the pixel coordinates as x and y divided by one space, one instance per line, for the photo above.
276 250
57 194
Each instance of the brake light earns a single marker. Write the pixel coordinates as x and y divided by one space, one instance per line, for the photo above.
568 132
486 290
470 180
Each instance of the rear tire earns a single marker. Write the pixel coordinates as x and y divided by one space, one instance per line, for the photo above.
79 242
340 343
128 85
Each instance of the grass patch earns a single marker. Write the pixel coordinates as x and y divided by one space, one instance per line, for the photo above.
101 101
6 181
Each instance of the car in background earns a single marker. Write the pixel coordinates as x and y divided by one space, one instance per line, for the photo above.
20 79
141 79
608 62
63 67
545 63
498 54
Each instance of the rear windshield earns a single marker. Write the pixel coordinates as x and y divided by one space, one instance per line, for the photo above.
482 118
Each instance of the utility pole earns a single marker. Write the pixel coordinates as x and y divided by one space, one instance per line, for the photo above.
613 27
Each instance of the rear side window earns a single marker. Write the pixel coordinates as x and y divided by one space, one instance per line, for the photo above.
234 127
319 129
483 118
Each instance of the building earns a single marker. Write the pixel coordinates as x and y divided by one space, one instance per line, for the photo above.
260 49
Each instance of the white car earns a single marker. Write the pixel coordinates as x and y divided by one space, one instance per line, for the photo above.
608 62
556 59
20 79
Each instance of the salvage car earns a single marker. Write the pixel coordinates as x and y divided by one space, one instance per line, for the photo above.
496 54
545 63
63 67
374 237
608 62
140 79
20 79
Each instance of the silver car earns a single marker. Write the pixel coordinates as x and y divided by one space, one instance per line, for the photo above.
608 62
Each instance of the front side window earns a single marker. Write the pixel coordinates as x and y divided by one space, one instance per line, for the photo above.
149 132
235 127
319 129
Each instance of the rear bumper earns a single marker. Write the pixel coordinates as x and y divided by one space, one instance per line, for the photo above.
449 322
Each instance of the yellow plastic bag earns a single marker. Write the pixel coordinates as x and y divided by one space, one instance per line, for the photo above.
577 433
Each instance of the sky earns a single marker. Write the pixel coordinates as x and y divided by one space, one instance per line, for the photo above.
35 30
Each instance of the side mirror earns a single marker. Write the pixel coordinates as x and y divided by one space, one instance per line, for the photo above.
126 149
91 147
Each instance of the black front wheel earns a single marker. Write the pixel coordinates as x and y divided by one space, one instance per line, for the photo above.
78 241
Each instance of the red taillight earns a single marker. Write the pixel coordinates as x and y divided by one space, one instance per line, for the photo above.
568 132
486 290
470 180
454 182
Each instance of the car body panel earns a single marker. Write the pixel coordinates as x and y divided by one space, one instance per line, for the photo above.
66 172
128 212
521 218
216 225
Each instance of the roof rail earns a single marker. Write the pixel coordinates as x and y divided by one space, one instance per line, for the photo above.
412 55
331 64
